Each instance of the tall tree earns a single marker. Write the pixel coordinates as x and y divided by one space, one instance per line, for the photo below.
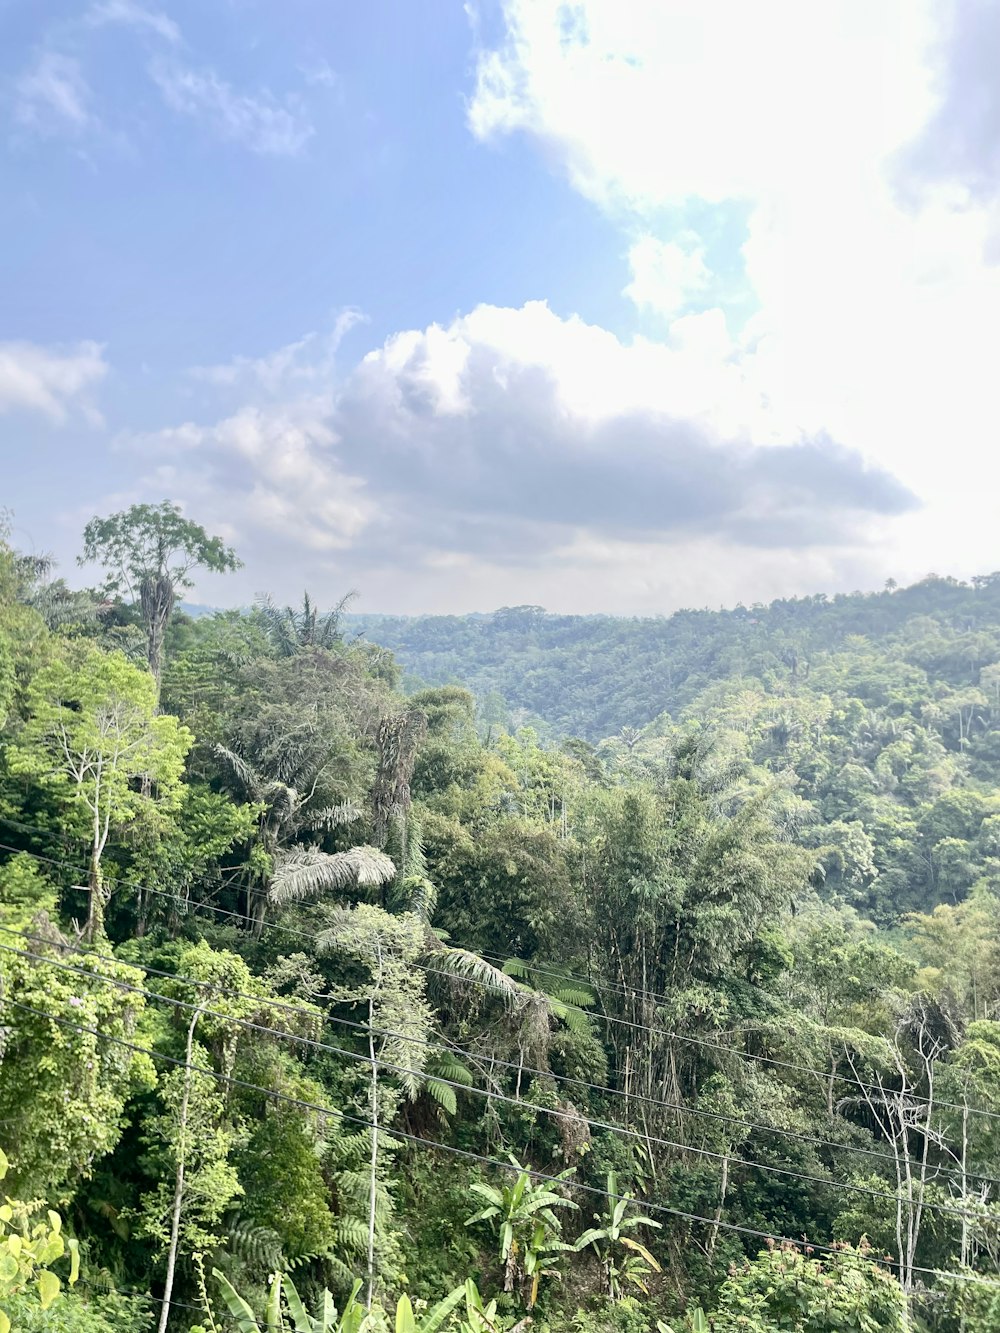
148 553
94 736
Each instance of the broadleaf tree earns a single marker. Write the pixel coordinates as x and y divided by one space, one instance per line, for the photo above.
149 553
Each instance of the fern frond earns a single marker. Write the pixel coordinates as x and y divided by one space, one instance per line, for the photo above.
443 1094
351 1235
256 1245
445 1065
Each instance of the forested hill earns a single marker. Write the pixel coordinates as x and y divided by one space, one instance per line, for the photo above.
313 992
589 676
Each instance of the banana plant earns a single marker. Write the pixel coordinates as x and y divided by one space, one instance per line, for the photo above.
354 1318
626 1261
528 1227
482 1318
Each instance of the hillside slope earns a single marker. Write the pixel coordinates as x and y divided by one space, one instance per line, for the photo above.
589 676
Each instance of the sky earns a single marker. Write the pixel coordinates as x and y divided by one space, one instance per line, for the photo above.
609 305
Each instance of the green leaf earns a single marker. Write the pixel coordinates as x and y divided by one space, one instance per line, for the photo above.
48 1288
4 1167
303 1324
74 1261
4 1323
237 1306
435 1317
443 1094
273 1310
405 1323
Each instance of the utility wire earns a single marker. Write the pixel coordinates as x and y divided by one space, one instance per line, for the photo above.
555 1112
648 1029
468 1155
284 1006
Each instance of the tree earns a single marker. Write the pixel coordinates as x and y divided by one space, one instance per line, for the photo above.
148 553
94 735
290 630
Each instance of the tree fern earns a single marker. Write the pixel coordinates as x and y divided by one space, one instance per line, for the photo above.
255 1245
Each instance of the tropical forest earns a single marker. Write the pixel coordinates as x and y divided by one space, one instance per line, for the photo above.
493 973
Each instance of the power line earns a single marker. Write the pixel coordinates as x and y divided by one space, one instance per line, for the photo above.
276 1003
649 1029
555 1112
467 1154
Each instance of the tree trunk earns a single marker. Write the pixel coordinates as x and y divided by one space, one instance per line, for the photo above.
156 597
175 1220
373 1179
95 908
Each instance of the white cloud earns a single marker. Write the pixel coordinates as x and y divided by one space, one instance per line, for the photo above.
647 104
309 361
131 14
874 288
51 382
259 122
270 474
666 275
53 96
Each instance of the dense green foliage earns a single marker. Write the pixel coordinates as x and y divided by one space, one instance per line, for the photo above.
327 1004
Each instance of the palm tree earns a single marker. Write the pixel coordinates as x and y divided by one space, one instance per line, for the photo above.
295 871
290 630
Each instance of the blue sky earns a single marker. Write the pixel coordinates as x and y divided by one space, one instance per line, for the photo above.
605 306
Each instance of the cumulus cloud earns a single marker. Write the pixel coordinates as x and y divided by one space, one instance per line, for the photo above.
266 472
53 97
50 381
260 122
512 439
961 141
866 299
511 417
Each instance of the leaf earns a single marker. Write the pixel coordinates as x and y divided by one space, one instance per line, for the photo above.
302 872
272 1312
4 1168
463 963
74 1261
48 1288
237 1306
631 1244
303 1324
4 1323
405 1323
436 1316
590 1237
443 1094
